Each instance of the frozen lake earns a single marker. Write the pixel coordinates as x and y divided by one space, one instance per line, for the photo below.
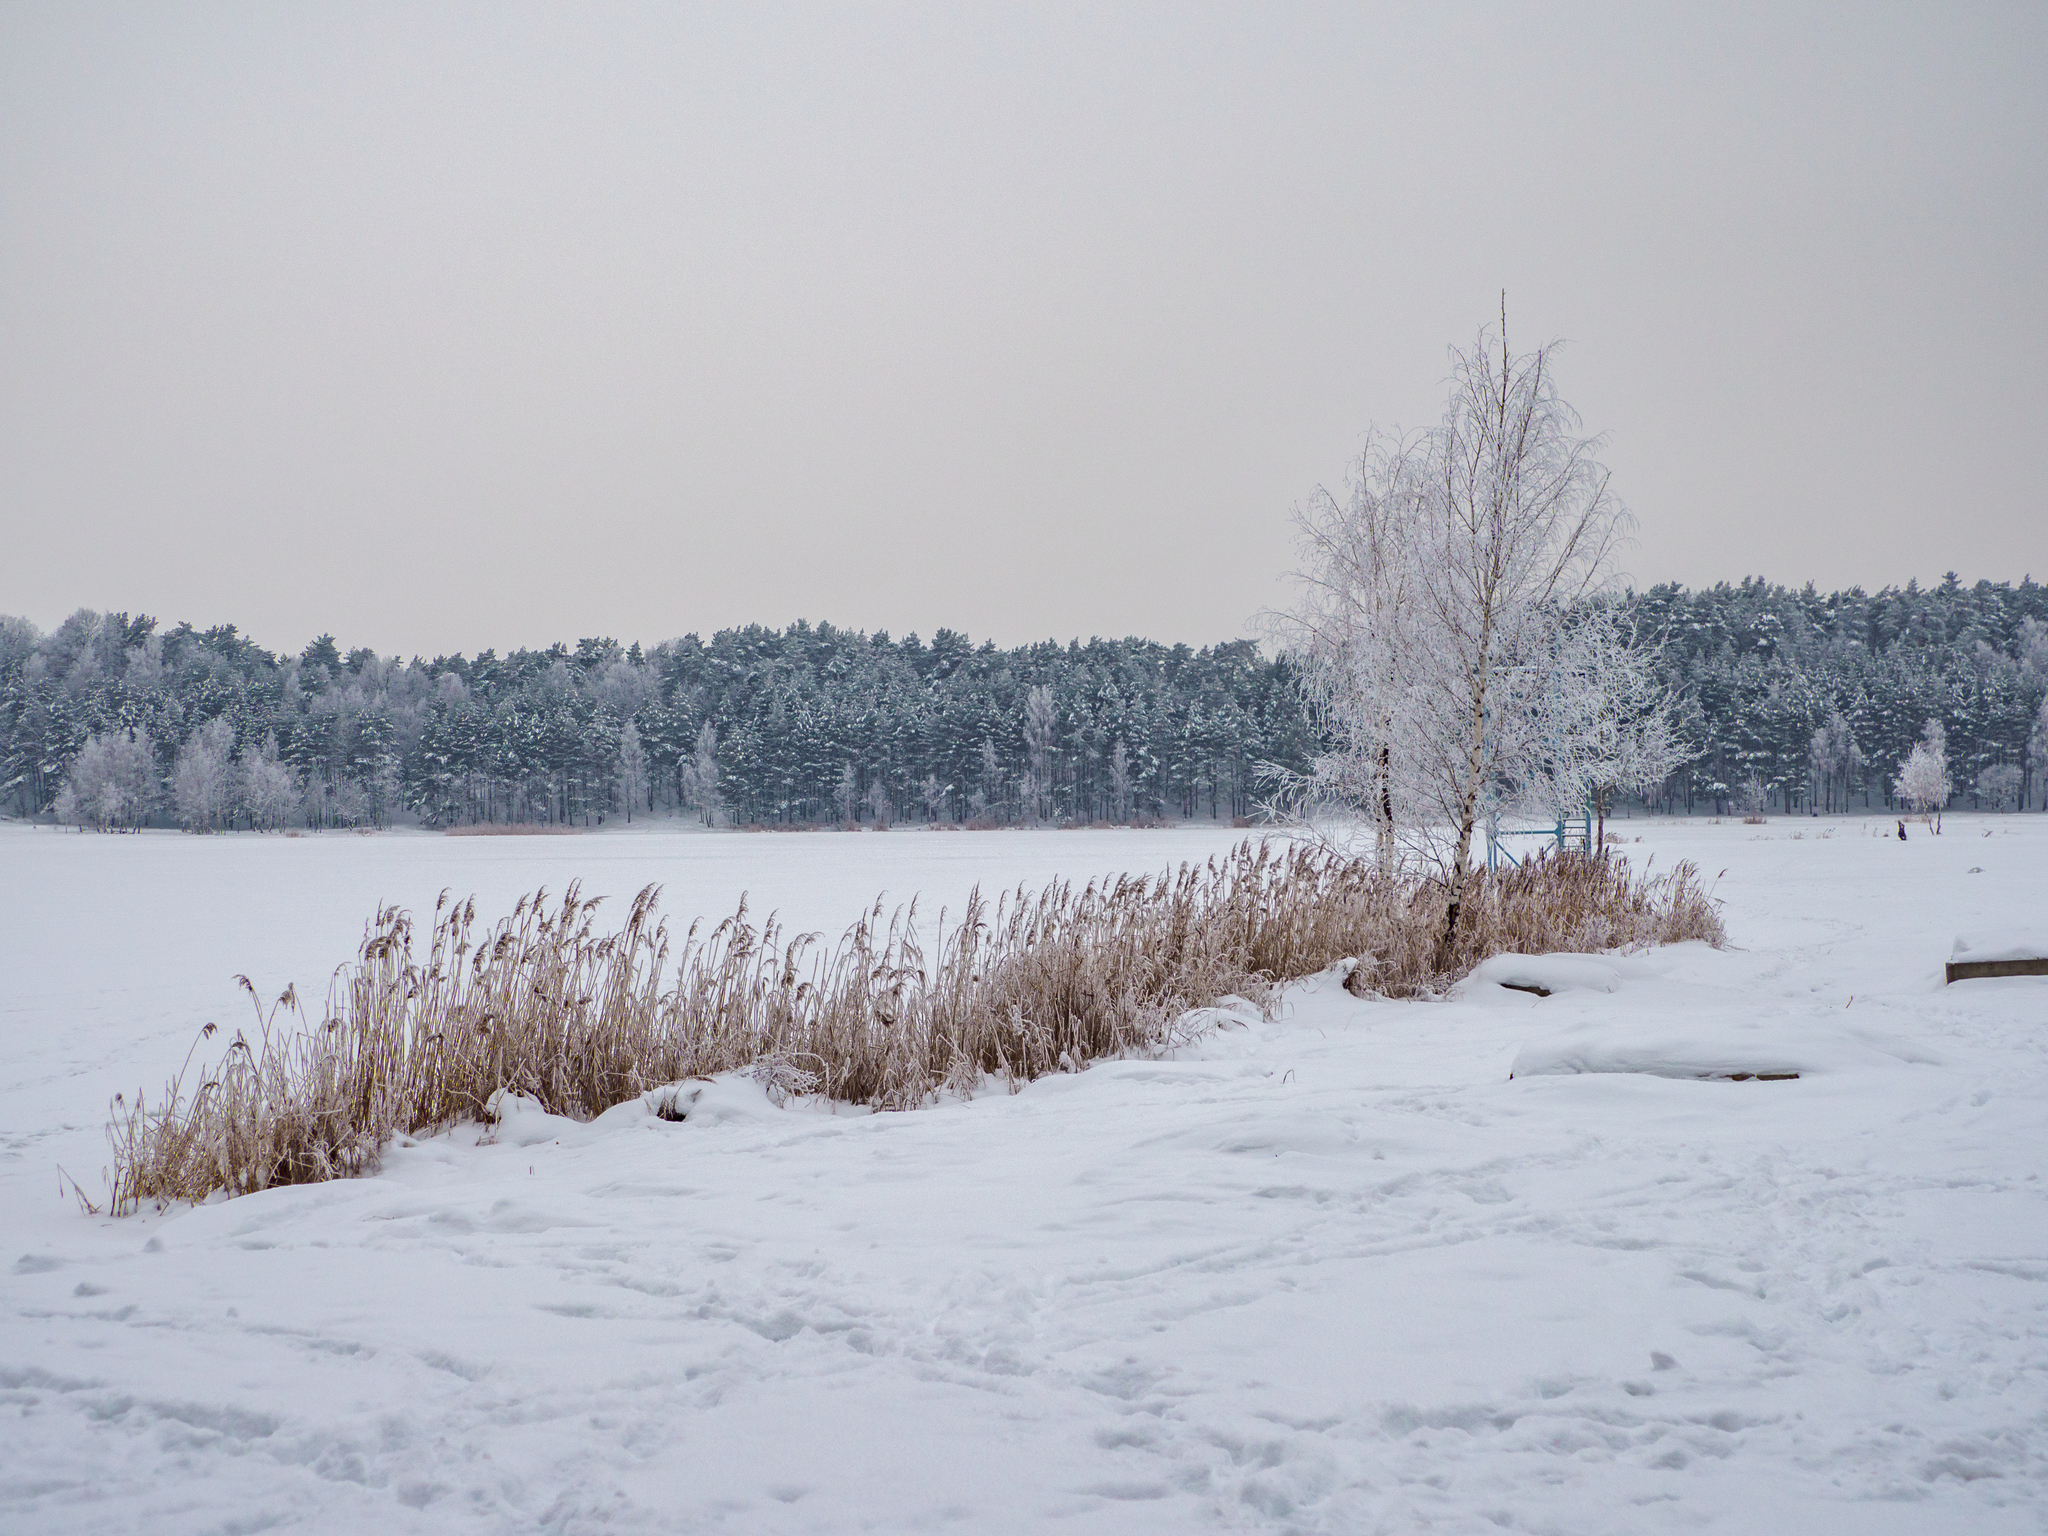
151 930
1331 1272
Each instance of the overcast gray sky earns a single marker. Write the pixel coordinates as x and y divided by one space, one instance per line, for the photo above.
442 327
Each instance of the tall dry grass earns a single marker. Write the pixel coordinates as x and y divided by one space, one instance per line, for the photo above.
544 1004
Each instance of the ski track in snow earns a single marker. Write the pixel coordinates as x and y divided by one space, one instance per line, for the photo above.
1328 1272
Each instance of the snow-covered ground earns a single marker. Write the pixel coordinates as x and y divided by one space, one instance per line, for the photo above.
1337 1271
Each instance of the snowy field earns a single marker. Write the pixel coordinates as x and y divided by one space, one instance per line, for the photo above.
1334 1272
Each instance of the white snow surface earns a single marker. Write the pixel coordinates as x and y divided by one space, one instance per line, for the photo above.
1551 973
2002 944
1335 1271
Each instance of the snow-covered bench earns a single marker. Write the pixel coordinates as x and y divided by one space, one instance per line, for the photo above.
2010 952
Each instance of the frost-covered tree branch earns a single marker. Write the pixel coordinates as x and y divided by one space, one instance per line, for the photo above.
1431 626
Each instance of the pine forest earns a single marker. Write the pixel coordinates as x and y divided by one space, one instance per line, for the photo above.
1789 701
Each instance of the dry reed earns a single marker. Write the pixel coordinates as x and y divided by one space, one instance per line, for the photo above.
545 1005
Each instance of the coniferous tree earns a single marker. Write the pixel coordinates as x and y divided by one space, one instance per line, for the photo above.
538 734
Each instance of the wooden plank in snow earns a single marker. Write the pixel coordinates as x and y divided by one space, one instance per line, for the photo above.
1971 970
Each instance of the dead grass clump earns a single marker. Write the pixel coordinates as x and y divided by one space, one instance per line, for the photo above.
1582 904
545 1005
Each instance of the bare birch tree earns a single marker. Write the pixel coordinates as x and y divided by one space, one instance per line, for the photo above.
1433 606
1354 630
1519 522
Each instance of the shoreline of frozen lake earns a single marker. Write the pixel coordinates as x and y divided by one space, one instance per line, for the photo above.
1328 1272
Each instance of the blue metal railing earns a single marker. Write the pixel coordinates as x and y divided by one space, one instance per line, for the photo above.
1567 829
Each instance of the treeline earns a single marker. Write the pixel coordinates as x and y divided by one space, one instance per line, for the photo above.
110 722
1794 699
1789 699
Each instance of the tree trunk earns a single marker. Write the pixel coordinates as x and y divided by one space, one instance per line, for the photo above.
1386 811
1447 949
1475 762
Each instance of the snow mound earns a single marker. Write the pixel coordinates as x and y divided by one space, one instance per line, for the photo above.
521 1122
1705 1049
730 1099
1548 974
733 1098
2000 944
1232 1012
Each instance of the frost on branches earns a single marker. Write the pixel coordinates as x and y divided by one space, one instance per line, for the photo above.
1603 721
1923 782
1450 633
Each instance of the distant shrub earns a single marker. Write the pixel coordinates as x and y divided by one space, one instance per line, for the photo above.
544 1004
1998 787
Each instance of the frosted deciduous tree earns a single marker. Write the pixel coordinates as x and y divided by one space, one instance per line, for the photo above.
1519 524
1027 795
1603 721
987 799
349 803
1923 782
112 783
1999 786
2037 750
2030 649
699 776
146 671
1356 629
71 807
203 787
1120 779
269 787
1835 759
1435 600
632 768
1752 795
846 793
1041 731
